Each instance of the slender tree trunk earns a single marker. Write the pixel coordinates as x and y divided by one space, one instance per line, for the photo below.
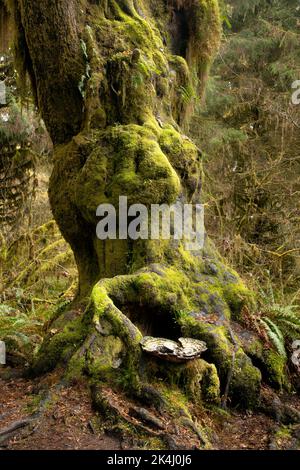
55 61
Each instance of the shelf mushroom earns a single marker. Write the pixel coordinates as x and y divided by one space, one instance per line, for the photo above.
185 349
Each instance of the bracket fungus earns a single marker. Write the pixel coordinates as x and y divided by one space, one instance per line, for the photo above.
186 349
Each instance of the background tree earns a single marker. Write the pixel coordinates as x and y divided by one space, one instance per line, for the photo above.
249 132
16 160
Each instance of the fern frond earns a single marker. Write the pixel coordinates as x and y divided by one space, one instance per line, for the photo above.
275 335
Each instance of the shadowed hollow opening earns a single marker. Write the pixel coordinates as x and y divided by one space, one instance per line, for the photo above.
179 32
155 321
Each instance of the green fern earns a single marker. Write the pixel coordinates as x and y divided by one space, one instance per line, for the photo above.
187 94
287 319
275 335
280 320
21 331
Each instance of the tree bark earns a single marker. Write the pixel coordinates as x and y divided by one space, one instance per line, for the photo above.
49 36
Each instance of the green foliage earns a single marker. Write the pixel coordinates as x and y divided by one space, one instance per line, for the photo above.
187 93
22 331
286 318
36 270
241 12
249 134
279 318
275 335
14 126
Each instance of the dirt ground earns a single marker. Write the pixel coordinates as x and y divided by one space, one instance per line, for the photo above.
68 422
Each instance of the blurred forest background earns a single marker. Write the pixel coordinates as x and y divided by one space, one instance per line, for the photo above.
248 131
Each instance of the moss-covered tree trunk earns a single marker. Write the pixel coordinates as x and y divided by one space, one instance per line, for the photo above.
116 82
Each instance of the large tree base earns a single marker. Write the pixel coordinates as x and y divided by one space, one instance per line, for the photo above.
102 341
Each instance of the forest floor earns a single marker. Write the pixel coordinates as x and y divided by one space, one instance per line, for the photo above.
66 422
63 419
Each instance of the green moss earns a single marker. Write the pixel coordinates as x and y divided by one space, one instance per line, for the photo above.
206 27
245 379
272 365
283 433
244 388
104 357
170 291
184 157
153 443
197 381
138 169
255 348
118 343
129 143
238 296
76 369
275 369
210 385
67 333
176 401
201 382
57 349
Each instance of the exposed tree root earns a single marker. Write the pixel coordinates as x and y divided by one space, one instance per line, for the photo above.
273 406
120 412
8 432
